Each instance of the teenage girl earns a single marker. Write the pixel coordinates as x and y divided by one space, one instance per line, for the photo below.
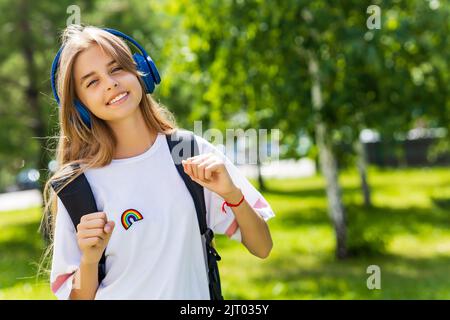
119 144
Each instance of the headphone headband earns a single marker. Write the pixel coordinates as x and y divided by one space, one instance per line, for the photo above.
147 57
53 74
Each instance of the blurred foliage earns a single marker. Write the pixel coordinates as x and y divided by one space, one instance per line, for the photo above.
441 197
240 64
364 237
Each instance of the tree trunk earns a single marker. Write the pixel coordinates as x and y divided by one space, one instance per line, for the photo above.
362 169
262 185
32 90
32 100
328 165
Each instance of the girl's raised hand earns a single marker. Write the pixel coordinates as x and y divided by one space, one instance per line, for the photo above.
209 171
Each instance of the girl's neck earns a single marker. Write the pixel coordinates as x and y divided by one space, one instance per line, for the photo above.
133 136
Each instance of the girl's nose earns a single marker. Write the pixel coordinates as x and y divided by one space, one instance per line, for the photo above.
112 83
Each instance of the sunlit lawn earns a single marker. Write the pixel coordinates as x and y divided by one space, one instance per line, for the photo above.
415 234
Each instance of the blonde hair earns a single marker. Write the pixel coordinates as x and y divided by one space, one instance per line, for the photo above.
79 147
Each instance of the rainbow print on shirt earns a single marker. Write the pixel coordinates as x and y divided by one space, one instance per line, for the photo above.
129 217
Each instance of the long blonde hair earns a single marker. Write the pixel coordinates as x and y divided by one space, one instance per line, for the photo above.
79 147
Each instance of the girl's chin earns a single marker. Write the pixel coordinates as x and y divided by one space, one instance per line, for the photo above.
126 110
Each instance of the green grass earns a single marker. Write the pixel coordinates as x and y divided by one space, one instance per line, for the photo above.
21 247
413 233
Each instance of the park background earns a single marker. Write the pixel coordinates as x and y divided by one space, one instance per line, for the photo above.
363 107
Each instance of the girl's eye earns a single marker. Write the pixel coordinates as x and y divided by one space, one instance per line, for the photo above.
92 82
116 69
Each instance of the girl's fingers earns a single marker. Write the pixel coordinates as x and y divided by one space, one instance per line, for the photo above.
203 173
92 224
95 215
201 170
194 163
213 166
209 169
109 227
194 167
191 169
198 158
89 242
89 233
187 168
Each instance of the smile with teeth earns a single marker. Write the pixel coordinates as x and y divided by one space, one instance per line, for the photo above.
119 98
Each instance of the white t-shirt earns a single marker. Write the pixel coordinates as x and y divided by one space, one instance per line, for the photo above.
158 256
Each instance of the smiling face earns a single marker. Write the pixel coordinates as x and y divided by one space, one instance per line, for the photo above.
110 92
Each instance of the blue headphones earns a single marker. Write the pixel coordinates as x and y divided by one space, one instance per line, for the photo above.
144 63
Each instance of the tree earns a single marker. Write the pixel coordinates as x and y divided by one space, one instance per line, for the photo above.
299 65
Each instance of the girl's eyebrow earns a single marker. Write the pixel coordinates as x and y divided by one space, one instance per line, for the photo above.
93 72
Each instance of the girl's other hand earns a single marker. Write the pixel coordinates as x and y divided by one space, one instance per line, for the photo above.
93 234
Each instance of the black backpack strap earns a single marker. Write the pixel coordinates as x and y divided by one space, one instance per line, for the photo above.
182 145
79 200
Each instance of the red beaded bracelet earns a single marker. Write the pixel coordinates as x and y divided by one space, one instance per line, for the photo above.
232 205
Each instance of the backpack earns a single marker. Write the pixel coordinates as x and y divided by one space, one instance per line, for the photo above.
79 200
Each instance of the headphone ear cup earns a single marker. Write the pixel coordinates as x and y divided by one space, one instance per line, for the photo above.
155 73
147 77
84 113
